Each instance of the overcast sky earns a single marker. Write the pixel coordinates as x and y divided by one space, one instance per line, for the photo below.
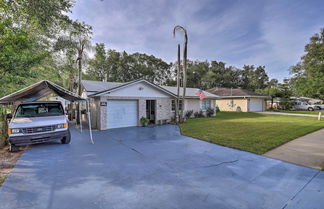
255 32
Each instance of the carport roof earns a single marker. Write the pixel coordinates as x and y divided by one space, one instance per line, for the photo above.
37 91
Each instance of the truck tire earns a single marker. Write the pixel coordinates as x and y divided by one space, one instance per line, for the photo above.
13 148
67 138
310 109
318 108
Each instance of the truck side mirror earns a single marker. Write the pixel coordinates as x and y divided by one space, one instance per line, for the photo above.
9 116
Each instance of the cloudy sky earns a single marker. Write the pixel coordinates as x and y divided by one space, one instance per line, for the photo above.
259 32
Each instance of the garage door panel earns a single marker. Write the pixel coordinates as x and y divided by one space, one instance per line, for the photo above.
256 105
121 113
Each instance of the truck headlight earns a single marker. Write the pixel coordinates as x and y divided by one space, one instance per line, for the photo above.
60 126
14 130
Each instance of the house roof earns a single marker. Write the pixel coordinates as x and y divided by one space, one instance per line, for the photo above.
190 92
237 92
97 88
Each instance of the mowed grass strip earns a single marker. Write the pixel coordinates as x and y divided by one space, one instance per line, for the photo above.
252 132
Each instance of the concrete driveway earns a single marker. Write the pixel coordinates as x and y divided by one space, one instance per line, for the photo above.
155 167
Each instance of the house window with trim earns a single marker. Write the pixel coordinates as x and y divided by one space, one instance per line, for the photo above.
205 104
173 105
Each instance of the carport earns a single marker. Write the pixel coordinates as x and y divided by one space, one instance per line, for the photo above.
42 89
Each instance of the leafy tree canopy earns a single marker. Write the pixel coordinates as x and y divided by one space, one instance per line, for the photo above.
308 74
122 67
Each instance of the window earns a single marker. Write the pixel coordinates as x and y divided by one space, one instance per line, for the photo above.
173 104
39 110
205 104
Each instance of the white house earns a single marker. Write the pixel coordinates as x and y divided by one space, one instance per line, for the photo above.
116 105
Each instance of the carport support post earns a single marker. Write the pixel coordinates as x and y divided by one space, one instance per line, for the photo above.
89 121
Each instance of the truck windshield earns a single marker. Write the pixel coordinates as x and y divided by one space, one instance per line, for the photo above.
39 110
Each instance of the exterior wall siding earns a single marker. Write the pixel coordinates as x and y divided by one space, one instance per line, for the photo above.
225 104
163 109
195 105
244 104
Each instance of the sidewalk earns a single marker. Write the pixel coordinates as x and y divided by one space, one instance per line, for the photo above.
294 114
307 150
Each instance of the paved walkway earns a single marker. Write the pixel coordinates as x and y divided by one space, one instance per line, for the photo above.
293 114
306 150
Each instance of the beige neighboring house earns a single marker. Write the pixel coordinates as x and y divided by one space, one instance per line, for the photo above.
239 100
116 105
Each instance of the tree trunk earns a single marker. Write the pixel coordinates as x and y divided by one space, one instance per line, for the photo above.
178 87
271 103
79 89
184 73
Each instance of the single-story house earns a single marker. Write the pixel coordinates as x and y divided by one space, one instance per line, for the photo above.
238 99
116 105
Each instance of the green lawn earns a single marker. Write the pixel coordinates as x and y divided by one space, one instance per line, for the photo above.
302 112
252 132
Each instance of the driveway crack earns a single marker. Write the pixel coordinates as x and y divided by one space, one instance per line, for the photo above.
218 164
309 181
129 147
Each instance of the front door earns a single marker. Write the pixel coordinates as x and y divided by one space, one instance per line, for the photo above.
150 110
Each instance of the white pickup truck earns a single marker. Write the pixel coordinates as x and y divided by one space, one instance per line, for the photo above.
37 122
306 106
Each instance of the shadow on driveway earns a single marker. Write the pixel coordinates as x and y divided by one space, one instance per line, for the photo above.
155 167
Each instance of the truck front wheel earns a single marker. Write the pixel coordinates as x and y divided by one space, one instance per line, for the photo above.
13 148
310 109
67 138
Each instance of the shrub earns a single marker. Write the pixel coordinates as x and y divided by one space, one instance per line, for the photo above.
188 114
210 112
217 109
199 114
144 121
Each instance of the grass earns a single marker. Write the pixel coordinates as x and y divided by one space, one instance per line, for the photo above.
301 112
2 179
252 132
8 161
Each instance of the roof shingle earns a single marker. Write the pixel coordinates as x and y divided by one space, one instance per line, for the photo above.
231 92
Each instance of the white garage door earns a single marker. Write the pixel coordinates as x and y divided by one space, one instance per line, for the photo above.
256 105
121 113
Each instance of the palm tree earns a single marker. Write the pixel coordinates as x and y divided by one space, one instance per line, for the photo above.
77 42
178 86
184 78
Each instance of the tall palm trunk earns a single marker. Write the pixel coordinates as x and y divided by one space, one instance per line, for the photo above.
80 53
184 77
184 73
178 86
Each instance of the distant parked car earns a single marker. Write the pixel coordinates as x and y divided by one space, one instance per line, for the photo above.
37 122
306 106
